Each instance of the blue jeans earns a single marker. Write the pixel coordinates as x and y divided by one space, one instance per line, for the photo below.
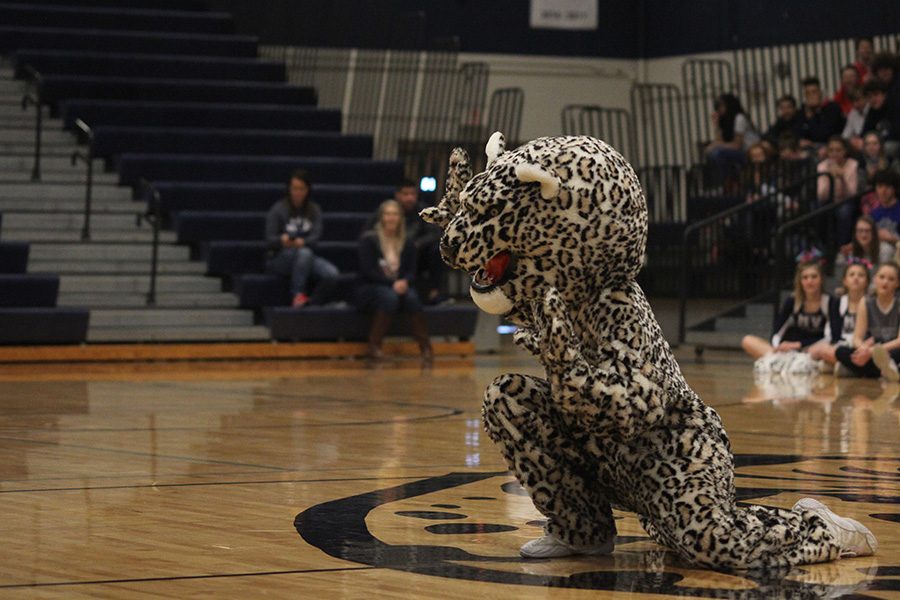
302 266
374 297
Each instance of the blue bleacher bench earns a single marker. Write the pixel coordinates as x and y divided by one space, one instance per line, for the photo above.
143 42
28 290
13 257
43 325
136 113
231 168
177 196
158 66
112 140
31 14
56 88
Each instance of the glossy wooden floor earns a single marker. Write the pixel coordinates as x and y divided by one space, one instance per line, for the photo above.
303 479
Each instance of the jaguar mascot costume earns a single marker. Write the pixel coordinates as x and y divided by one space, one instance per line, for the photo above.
553 234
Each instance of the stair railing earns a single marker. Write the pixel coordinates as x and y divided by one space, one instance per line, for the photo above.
33 98
87 158
783 259
716 224
154 217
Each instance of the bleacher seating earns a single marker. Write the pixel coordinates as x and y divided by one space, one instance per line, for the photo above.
29 14
132 113
174 97
99 40
56 88
177 196
109 141
232 168
163 66
13 257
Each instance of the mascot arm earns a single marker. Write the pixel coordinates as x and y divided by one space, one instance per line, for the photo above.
616 399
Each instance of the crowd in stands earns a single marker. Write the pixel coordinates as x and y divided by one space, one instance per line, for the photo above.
399 270
854 136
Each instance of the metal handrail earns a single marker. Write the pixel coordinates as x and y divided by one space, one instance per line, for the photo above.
88 158
152 216
34 99
718 217
784 228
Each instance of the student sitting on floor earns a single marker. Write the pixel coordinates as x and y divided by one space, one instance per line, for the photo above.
876 338
803 318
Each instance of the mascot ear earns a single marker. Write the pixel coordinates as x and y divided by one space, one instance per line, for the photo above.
495 147
528 172
459 172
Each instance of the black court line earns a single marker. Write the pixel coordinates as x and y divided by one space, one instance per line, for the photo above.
207 483
144 454
182 577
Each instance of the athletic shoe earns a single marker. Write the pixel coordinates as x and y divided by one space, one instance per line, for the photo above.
853 537
551 546
300 300
885 363
841 370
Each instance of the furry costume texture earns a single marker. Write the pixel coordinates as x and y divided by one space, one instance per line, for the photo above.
554 234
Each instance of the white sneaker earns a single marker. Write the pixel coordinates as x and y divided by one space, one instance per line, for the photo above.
551 546
885 363
853 537
841 370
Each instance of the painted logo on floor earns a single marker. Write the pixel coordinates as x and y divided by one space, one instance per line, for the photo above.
459 518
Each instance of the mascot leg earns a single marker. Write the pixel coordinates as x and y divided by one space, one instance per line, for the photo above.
694 513
545 461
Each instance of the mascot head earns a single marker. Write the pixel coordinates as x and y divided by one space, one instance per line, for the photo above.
562 212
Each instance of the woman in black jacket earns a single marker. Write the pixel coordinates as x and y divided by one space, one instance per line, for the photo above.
387 265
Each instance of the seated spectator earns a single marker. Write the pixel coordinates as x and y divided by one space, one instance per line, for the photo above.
734 134
759 176
849 80
865 50
789 120
856 118
876 341
864 248
843 185
887 213
802 320
387 266
882 118
821 118
873 156
789 148
293 227
431 270
884 69
842 318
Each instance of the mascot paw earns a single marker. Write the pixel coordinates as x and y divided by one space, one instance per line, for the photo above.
560 344
529 339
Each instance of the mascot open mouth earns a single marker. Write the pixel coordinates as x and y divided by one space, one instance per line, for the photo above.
485 289
496 271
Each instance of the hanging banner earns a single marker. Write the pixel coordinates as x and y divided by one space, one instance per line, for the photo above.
563 14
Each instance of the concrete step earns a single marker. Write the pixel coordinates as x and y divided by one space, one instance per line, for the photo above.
69 220
180 334
70 205
26 149
133 236
75 177
137 283
51 133
105 251
48 190
122 267
49 164
172 317
139 300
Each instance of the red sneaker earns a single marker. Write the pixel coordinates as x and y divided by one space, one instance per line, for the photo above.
300 300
